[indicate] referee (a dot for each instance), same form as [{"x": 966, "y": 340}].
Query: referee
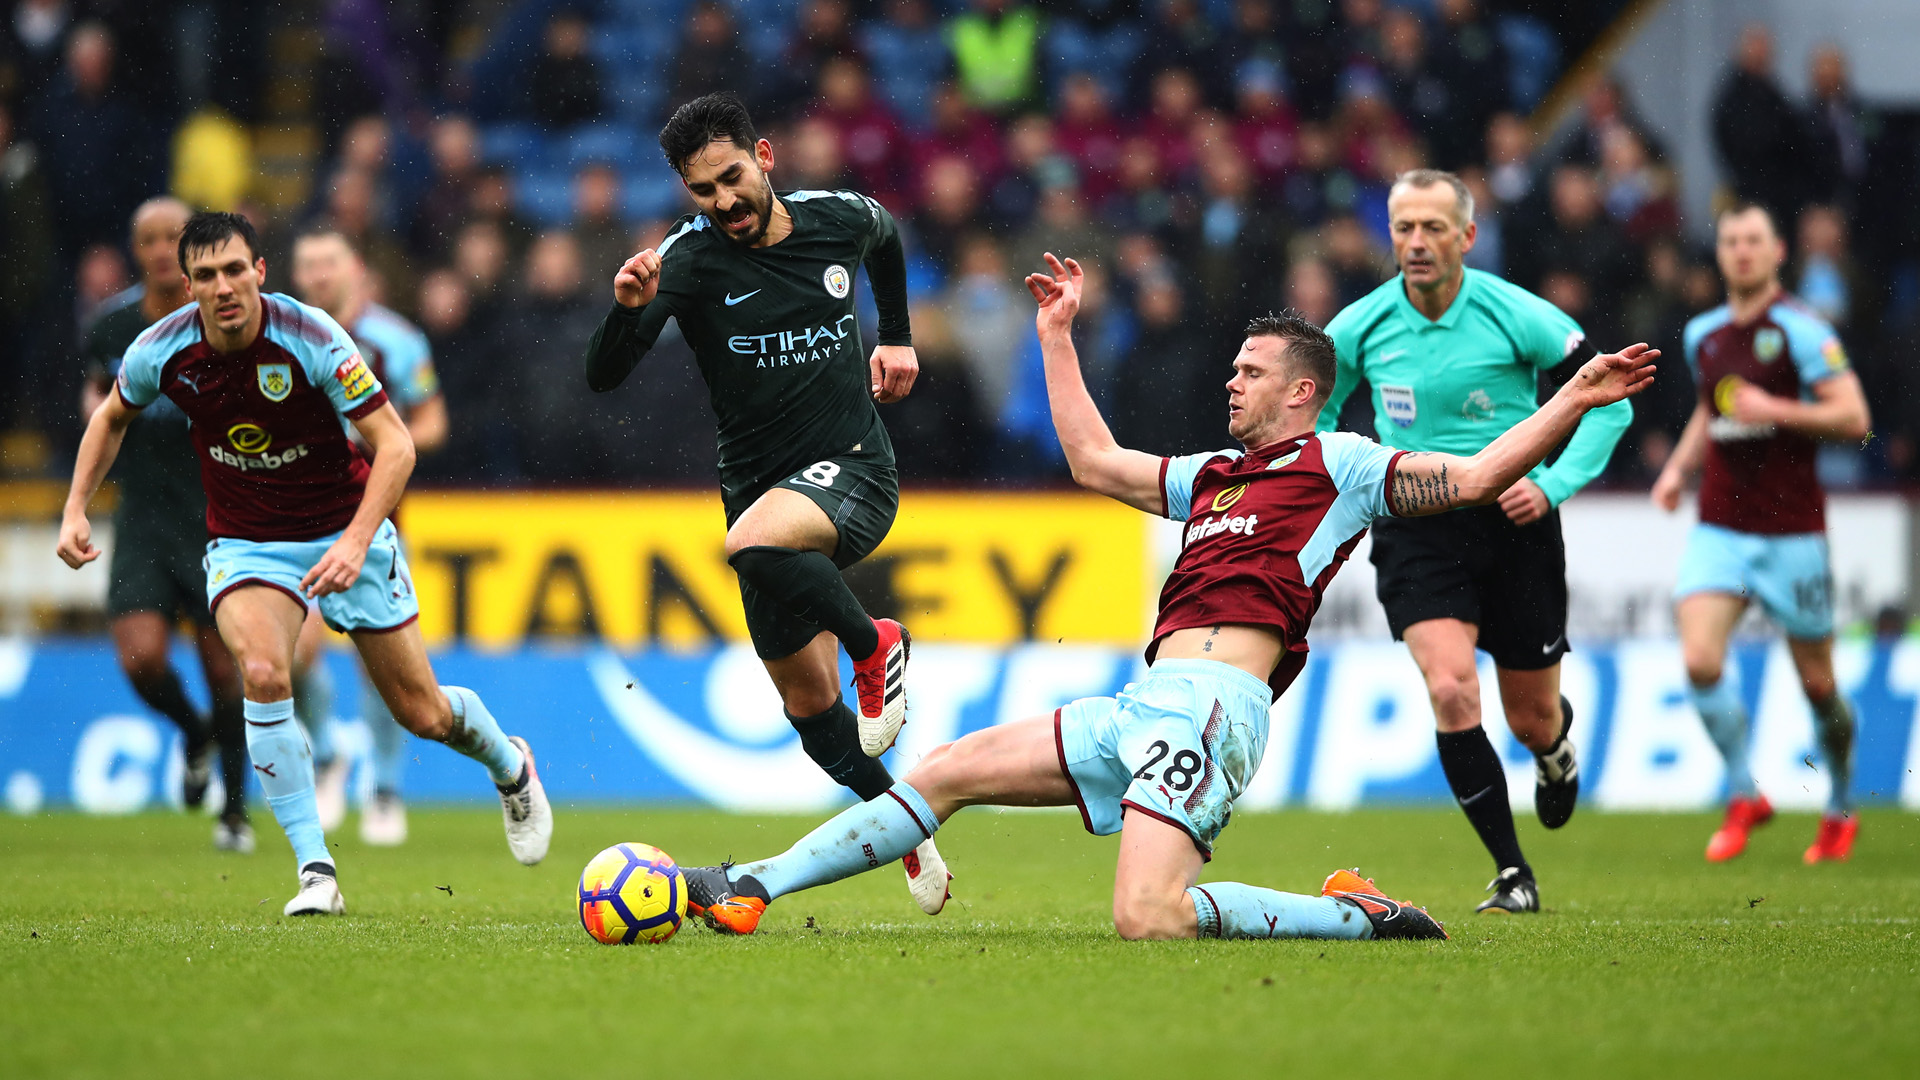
[{"x": 1454, "y": 358}]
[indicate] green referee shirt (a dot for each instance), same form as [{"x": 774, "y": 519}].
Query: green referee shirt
[{"x": 1453, "y": 385}]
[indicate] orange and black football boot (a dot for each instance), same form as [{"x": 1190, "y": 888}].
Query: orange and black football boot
[
  {"x": 728, "y": 907},
  {"x": 1391, "y": 919}
]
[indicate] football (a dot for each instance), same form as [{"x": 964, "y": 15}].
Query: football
[{"x": 632, "y": 892}]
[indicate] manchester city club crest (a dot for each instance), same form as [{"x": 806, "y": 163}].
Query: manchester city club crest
[
  {"x": 1768, "y": 343},
  {"x": 276, "y": 380},
  {"x": 838, "y": 281}
]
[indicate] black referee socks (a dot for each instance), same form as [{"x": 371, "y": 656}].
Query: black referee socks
[
  {"x": 1479, "y": 784},
  {"x": 809, "y": 585}
]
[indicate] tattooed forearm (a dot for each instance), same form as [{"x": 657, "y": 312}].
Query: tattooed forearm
[{"x": 1419, "y": 487}]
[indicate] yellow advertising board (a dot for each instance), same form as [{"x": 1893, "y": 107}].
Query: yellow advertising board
[{"x": 497, "y": 569}]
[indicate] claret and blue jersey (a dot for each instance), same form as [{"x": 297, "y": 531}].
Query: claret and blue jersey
[
  {"x": 1758, "y": 478},
  {"x": 1266, "y": 531},
  {"x": 269, "y": 422},
  {"x": 400, "y": 356}
]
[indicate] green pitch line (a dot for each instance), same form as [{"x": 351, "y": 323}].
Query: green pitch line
[{"x": 130, "y": 947}]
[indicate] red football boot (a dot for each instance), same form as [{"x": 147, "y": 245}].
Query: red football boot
[
  {"x": 880, "y": 681},
  {"x": 1834, "y": 841},
  {"x": 1744, "y": 815}
]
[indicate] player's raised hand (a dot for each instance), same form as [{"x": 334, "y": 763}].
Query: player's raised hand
[
  {"x": 1058, "y": 294},
  {"x": 337, "y": 570},
  {"x": 638, "y": 280},
  {"x": 1612, "y": 377},
  {"x": 76, "y": 541},
  {"x": 894, "y": 369}
]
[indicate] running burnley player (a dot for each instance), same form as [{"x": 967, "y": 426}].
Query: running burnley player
[
  {"x": 293, "y": 508},
  {"x": 1267, "y": 528},
  {"x": 1762, "y": 531},
  {"x": 1454, "y": 357},
  {"x": 329, "y": 273},
  {"x": 762, "y": 287},
  {"x": 155, "y": 577}
]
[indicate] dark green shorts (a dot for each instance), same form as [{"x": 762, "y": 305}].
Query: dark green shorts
[
  {"x": 860, "y": 492},
  {"x": 157, "y": 565}
]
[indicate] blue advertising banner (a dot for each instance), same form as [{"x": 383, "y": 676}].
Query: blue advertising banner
[{"x": 705, "y": 727}]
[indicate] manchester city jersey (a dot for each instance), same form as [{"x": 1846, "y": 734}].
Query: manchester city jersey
[{"x": 774, "y": 332}]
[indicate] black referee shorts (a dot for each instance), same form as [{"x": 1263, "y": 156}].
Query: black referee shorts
[{"x": 1477, "y": 566}]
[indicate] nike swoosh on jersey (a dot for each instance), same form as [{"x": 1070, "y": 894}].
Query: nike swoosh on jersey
[{"x": 732, "y": 299}]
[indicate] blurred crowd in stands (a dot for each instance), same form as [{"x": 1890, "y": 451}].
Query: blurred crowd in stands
[{"x": 1207, "y": 160}]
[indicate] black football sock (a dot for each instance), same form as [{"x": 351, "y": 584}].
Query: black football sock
[
  {"x": 809, "y": 585},
  {"x": 1479, "y": 784},
  {"x": 832, "y": 740},
  {"x": 167, "y": 697},
  {"x": 230, "y": 731}
]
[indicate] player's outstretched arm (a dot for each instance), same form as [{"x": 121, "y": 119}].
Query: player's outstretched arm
[
  {"x": 1431, "y": 483},
  {"x": 393, "y": 456},
  {"x": 1098, "y": 463},
  {"x": 98, "y": 447}
]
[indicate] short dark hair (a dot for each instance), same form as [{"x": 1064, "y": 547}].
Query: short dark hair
[
  {"x": 322, "y": 228},
  {"x": 705, "y": 120},
  {"x": 1309, "y": 349},
  {"x": 1744, "y": 206},
  {"x": 208, "y": 229}
]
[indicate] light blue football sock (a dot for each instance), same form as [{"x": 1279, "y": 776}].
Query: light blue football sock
[
  {"x": 389, "y": 743},
  {"x": 1228, "y": 909},
  {"x": 477, "y": 735},
  {"x": 1833, "y": 720},
  {"x": 313, "y": 704},
  {"x": 285, "y": 767},
  {"x": 856, "y": 840},
  {"x": 1726, "y": 721}
]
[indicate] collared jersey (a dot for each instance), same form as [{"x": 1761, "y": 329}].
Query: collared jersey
[
  {"x": 269, "y": 422},
  {"x": 775, "y": 333},
  {"x": 399, "y": 355},
  {"x": 1454, "y": 384},
  {"x": 1758, "y": 478},
  {"x": 1266, "y": 531}
]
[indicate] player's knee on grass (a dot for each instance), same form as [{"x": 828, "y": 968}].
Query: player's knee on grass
[{"x": 1153, "y": 914}]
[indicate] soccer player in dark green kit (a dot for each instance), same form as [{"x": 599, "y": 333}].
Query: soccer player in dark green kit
[
  {"x": 155, "y": 577},
  {"x": 762, "y": 288}
]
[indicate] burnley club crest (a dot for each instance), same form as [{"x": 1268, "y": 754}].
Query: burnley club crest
[{"x": 276, "y": 381}]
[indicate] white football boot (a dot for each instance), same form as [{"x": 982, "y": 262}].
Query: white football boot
[
  {"x": 383, "y": 821},
  {"x": 319, "y": 895},
  {"x": 927, "y": 877},
  {"x": 529, "y": 817},
  {"x": 233, "y": 835},
  {"x": 330, "y": 793}
]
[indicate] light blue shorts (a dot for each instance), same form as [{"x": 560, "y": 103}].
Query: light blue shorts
[
  {"x": 383, "y": 598},
  {"x": 1788, "y": 574},
  {"x": 1179, "y": 745}
]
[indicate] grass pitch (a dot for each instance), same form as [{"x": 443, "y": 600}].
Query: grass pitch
[{"x": 129, "y": 947}]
